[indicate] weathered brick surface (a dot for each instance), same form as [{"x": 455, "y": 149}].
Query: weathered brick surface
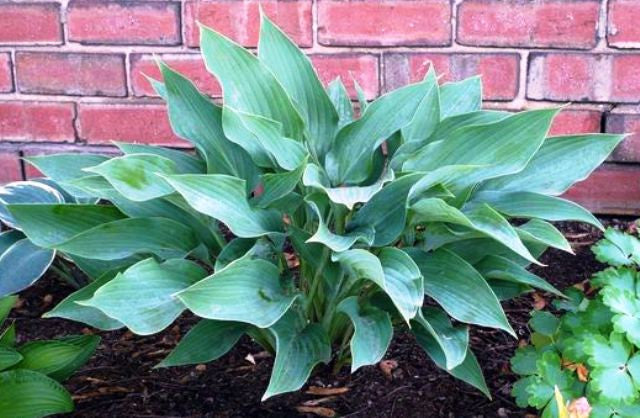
[
  {"x": 623, "y": 30},
  {"x": 384, "y": 22},
  {"x": 25, "y": 23},
  {"x": 132, "y": 23},
  {"x": 9, "y": 167},
  {"x": 584, "y": 77},
  {"x": 551, "y": 23},
  {"x": 625, "y": 122},
  {"x": 6, "y": 76},
  {"x": 612, "y": 188},
  {"x": 576, "y": 121},
  {"x": 72, "y": 72},
  {"x": 103, "y": 123},
  {"x": 240, "y": 19},
  {"x": 500, "y": 72},
  {"x": 36, "y": 121}
]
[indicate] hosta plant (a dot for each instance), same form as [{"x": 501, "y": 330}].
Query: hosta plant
[
  {"x": 592, "y": 350},
  {"x": 311, "y": 227},
  {"x": 31, "y": 372},
  {"x": 21, "y": 261}
]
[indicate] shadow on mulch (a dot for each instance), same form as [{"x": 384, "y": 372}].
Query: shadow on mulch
[{"x": 119, "y": 381}]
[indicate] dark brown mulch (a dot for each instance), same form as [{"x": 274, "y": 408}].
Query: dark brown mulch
[{"x": 120, "y": 380}]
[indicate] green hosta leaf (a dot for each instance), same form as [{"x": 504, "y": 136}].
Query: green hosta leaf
[
  {"x": 163, "y": 237},
  {"x": 348, "y": 196},
  {"x": 294, "y": 71},
  {"x": 427, "y": 116},
  {"x": 299, "y": 348},
  {"x": 372, "y": 332},
  {"x": 491, "y": 223},
  {"x": 143, "y": 297},
  {"x": 8, "y": 357},
  {"x": 69, "y": 309},
  {"x": 341, "y": 102},
  {"x": 362, "y": 97},
  {"x": 22, "y": 192},
  {"x": 461, "y": 97},
  {"x": 544, "y": 323},
  {"x": 95, "y": 269},
  {"x": 324, "y": 236},
  {"x": 524, "y": 361},
  {"x": 135, "y": 176},
  {"x": 394, "y": 272},
  {"x": 58, "y": 359},
  {"x": 6, "y": 304},
  {"x": 349, "y": 160},
  {"x": 453, "y": 341},
  {"x": 223, "y": 197},
  {"x": 246, "y": 290},
  {"x": 459, "y": 289},
  {"x": 236, "y": 248},
  {"x": 21, "y": 265},
  {"x": 614, "y": 375},
  {"x": 28, "y": 394},
  {"x": 195, "y": 118},
  {"x": 184, "y": 161},
  {"x": 8, "y": 238},
  {"x": 207, "y": 341},
  {"x": 560, "y": 162},
  {"x": 496, "y": 267},
  {"x": 468, "y": 371},
  {"x": 617, "y": 248},
  {"x": 536, "y": 205},
  {"x": 247, "y": 84},
  {"x": 545, "y": 233},
  {"x": 49, "y": 225},
  {"x": 263, "y": 139},
  {"x": 503, "y": 147},
  {"x": 62, "y": 168},
  {"x": 278, "y": 185}
]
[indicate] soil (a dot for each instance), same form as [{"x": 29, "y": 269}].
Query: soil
[{"x": 120, "y": 381}]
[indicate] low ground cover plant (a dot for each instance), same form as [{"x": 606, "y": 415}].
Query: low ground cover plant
[
  {"x": 311, "y": 227},
  {"x": 31, "y": 372},
  {"x": 592, "y": 350}
]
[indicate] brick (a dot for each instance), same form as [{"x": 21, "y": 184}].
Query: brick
[
  {"x": 71, "y": 73},
  {"x": 576, "y": 121},
  {"x": 623, "y": 30},
  {"x": 100, "y": 123},
  {"x": 546, "y": 24},
  {"x": 10, "y": 169},
  {"x": 384, "y": 22},
  {"x": 240, "y": 19},
  {"x": 189, "y": 65},
  {"x": 362, "y": 67},
  {"x": 142, "y": 23},
  {"x": 611, "y": 189},
  {"x": 629, "y": 149},
  {"x": 584, "y": 77},
  {"x": 625, "y": 78},
  {"x": 36, "y": 121},
  {"x": 6, "y": 77},
  {"x": 500, "y": 72},
  {"x": 24, "y": 23}
]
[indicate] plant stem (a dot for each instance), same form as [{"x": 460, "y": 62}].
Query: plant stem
[{"x": 317, "y": 278}]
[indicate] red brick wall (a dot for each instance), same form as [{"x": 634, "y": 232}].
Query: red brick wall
[{"x": 71, "y": 71}]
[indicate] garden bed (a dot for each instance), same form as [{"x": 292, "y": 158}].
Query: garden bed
[{"x": 120, "y": 380}]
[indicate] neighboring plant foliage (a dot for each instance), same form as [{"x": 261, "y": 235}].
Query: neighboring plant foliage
[
  {"x": 593, "y": 349},
  {"x": 30, "y": 372},
  {"x": 309, "y": 228}
]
